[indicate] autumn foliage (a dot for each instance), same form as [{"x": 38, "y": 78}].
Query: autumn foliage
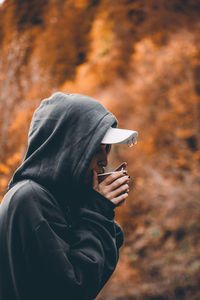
[{"x": 141, "y": 59}]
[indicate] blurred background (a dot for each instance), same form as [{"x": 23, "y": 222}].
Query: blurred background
[{"x": 141, "y": 59}]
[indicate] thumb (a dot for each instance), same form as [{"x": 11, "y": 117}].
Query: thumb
[{"x": 95, "y": 180}]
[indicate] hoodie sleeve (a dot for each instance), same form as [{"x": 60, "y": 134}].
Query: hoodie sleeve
[{"x": 80, "y": 263}]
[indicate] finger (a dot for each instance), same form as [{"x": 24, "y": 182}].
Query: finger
[
  {"x": 95, "y": 180},
  {"x": 120, "y": 199},
  {"x": 122, "y": 166},
  {"x": 120, "y": 203},
  {"x": 122, "y": 189},
  {"x": 118, "y": 182},
  {"x": 113, "y": 177}
]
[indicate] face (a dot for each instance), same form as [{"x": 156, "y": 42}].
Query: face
[{"x": 98, "y": 162}]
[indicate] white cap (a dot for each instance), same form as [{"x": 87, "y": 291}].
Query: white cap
[{"x": 119, "y": 136}]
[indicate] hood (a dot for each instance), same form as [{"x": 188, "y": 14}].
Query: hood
[{"x": 65, "y": 131}]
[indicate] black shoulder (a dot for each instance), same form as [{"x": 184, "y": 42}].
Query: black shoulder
[
  {"x": 30, "y": 198},
  {"x": 28, "y": 190}
]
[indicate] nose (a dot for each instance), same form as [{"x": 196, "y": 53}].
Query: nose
[{"x": 103, "y": 161}]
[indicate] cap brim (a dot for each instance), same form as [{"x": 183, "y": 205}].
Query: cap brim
[{"x": 119, "y": 136}]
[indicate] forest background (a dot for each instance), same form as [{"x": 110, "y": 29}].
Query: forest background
[{"x": 141, "y": 59}]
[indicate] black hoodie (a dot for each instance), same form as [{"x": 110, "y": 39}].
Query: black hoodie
[{"x": 58, "y": 239}]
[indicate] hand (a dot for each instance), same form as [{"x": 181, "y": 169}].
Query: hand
[{"x": 114, "y": 187}]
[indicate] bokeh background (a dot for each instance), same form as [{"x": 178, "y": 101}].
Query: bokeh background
[{"x": 141, "y": 59}]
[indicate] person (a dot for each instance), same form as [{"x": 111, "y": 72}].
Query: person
[{"x": 58, "y": 236}]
